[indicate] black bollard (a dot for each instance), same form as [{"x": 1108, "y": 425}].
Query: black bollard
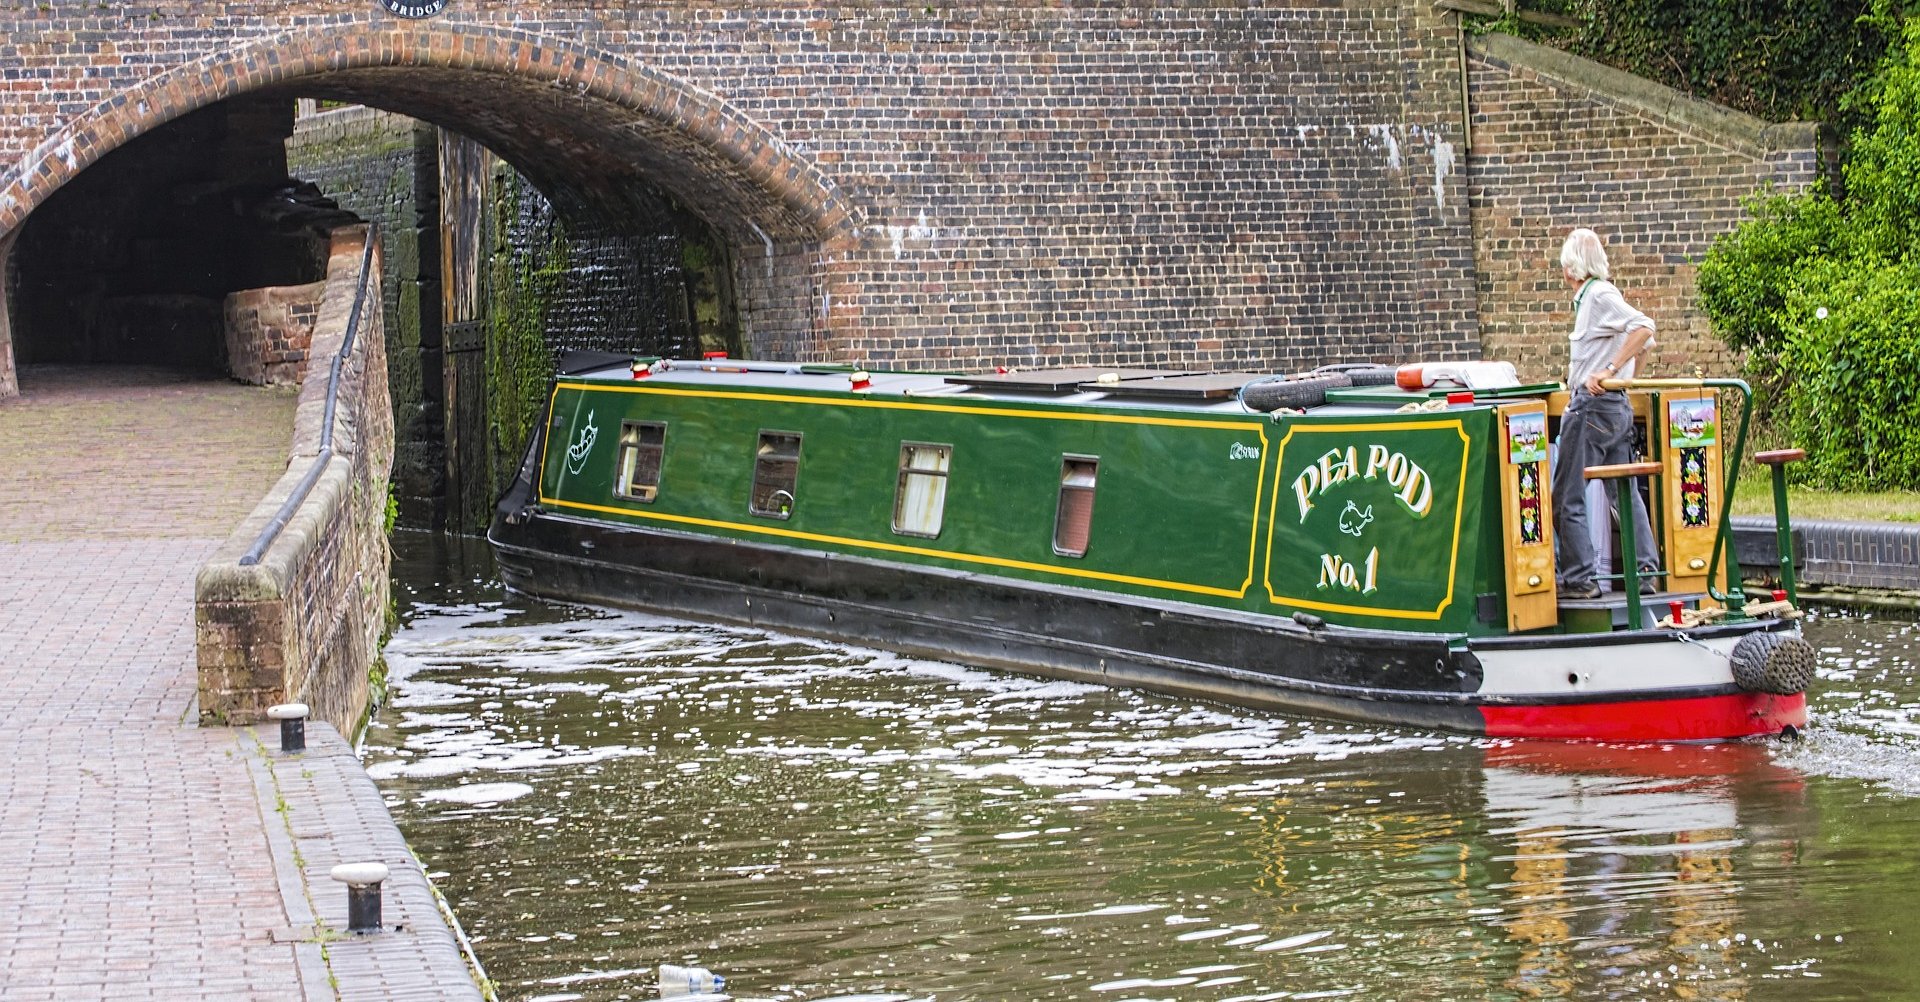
[
  {"x": 293, "y": 725},
  {"x": 363, "y": 894}
]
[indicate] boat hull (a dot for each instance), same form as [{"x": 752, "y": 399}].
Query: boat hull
[{"x": 1397, "y": 678}]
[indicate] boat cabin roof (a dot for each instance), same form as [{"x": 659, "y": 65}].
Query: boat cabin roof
[{"x": 1074, "y": 386}]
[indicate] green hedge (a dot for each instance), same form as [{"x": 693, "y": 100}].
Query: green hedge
[
  {"x": 1850, "y": 373},
  {"x": 1824, "y": 296},
  {"x": 1782, "y": 60}
]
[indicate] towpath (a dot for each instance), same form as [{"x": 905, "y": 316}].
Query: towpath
[{"x": 141, "y": 855}]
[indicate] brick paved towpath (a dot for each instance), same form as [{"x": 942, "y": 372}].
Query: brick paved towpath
[{"x": 143, "y": 856}]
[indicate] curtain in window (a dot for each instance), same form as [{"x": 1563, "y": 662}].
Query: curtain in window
[
  {"x": 1075, "y": 518},
  {"x": 923, "y": 489}
]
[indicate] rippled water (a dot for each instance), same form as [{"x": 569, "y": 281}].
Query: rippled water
[{"x": 600, "y": 792}]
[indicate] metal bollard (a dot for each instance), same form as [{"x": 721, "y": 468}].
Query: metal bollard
[
  {"x": 363, "y": 894},
  {"x": 293, "y": 725}
]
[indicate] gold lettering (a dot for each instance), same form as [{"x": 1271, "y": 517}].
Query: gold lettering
[
  {"x": 1376, "y": 460},
  {"x": 1417, "y": 485},
  {"x": 1304, "y": 487}
]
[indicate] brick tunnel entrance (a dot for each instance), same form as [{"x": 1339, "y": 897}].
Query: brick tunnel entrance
[{"x": 530, "y": 199}]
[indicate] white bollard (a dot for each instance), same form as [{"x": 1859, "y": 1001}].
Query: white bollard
[
  {"x": 363, "y": 894},
  {"x": 293, "y": 725}
]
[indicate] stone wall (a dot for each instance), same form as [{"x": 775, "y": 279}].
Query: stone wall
[
  {"x": 269, "y": 331},
  {"x": 1560, "y": 142},
  {"x": 305, "y": 622}
]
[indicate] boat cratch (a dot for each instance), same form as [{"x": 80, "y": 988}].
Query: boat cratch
[{"x": 1358, "y": 541}]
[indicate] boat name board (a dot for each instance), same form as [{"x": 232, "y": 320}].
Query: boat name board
[{"x": 1370, "y": 521}]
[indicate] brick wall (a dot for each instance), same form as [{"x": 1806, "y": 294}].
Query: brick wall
[
  {"x": 269, "y": 331},
  {"x": 305, "y": 622},
  {"x": 1560, "y": 142},
  {"x": 1012, "y": 183}
]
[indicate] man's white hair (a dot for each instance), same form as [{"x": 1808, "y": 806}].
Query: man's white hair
[{"x": 1583, "y": 256}]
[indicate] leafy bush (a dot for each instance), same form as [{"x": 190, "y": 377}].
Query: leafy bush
[
  {"x": 1883, "y": 169},
  {"x": 1824, "y": 295},
  {"x": 1852, "y": 361},
  {"x": 1778, "y": 59},
  {"x": 1747, "y": 274}
]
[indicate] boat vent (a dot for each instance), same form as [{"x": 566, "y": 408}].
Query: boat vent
[{"x": 1058, "y": 380}]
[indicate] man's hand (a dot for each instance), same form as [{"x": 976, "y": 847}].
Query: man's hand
[{"x": 1637, "y": 339}]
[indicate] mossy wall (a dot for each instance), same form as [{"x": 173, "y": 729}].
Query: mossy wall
[
  {"x": 371, "y": 162},
  {"x": 558, "y": 282},
  {"x": 649, "y": 280}
]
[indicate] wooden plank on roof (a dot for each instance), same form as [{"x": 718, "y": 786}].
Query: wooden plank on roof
[
  {"x": 1056, "y": 380},
  {"x": 1190, "y": 386}
]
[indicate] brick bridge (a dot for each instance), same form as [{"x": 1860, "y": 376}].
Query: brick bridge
[{"x": 1194, "y": 183}]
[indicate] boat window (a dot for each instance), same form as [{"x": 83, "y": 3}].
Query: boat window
[
  {"x": 920, "y": 500},
  {"x": 642, "y": 443},
  {"x": 1075, "y": 516},
  {"x": 776, "y": 471}
]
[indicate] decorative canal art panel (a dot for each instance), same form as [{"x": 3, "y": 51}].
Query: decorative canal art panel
[{"x": 1367, "y": 517}]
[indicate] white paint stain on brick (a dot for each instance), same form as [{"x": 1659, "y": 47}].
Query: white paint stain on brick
[
  {"x": 897, "y": 236},
  {"x": 1382, "y": 135},
  {"x": 1303, "y": 131},
  {"x": 1442, "y": 166},
  {"x": 768, "y": 241}
]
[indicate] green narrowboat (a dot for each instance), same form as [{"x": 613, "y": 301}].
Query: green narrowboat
[{"x": 1357, "y": 542}]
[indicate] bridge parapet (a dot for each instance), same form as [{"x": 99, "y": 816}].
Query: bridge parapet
[{"x": 304, "y": 622}]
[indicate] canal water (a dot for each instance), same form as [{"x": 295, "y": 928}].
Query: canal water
[{"x": 598, "y": 793}]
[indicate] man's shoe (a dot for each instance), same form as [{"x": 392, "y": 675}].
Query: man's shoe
[
  {"x": 1584, "y": 590},
  {"x": 1647, "y": 587}
]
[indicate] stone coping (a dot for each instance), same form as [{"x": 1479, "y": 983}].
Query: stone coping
[
  {"x": 1882, "y": 555},
  {"x": 1754, "y": 136}
]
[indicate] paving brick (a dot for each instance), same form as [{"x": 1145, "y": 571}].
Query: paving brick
[{"x": 136, "y": 858}]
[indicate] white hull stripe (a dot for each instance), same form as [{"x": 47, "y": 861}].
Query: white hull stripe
[{"x": 1624, "y": 670}]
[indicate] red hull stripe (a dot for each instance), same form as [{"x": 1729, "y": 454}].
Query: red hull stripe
[{"x": 1699, "y": 719}]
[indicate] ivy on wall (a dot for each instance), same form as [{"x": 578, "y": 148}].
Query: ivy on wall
[
  {"x": 1781, "y": 60},
  {"x": 522, "y": 283}
]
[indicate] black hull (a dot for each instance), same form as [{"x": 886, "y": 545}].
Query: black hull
[{"x": 1402, "y": 679}]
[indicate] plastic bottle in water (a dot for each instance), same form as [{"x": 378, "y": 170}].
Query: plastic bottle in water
[{"x": 676, "y": 981}]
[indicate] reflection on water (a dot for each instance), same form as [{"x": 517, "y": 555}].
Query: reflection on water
[{"x": 602, "y": 792}]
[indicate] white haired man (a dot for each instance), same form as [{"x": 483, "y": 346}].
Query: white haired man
[{"x": 1597, "y": 427}]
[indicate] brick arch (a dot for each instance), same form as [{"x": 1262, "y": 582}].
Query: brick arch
[{"x": 770, "y": 180}]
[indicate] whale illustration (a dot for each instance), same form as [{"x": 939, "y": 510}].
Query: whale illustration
[
  {"x": 1353, "y": 521},
  {"x": 582, "y": 446}
]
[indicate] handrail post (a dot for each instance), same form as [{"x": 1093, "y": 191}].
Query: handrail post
[
  {"x": 1782, "y": 528},
  {"x": 1623, "y": 476},
  {"x": 1629, "y": 553}
]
